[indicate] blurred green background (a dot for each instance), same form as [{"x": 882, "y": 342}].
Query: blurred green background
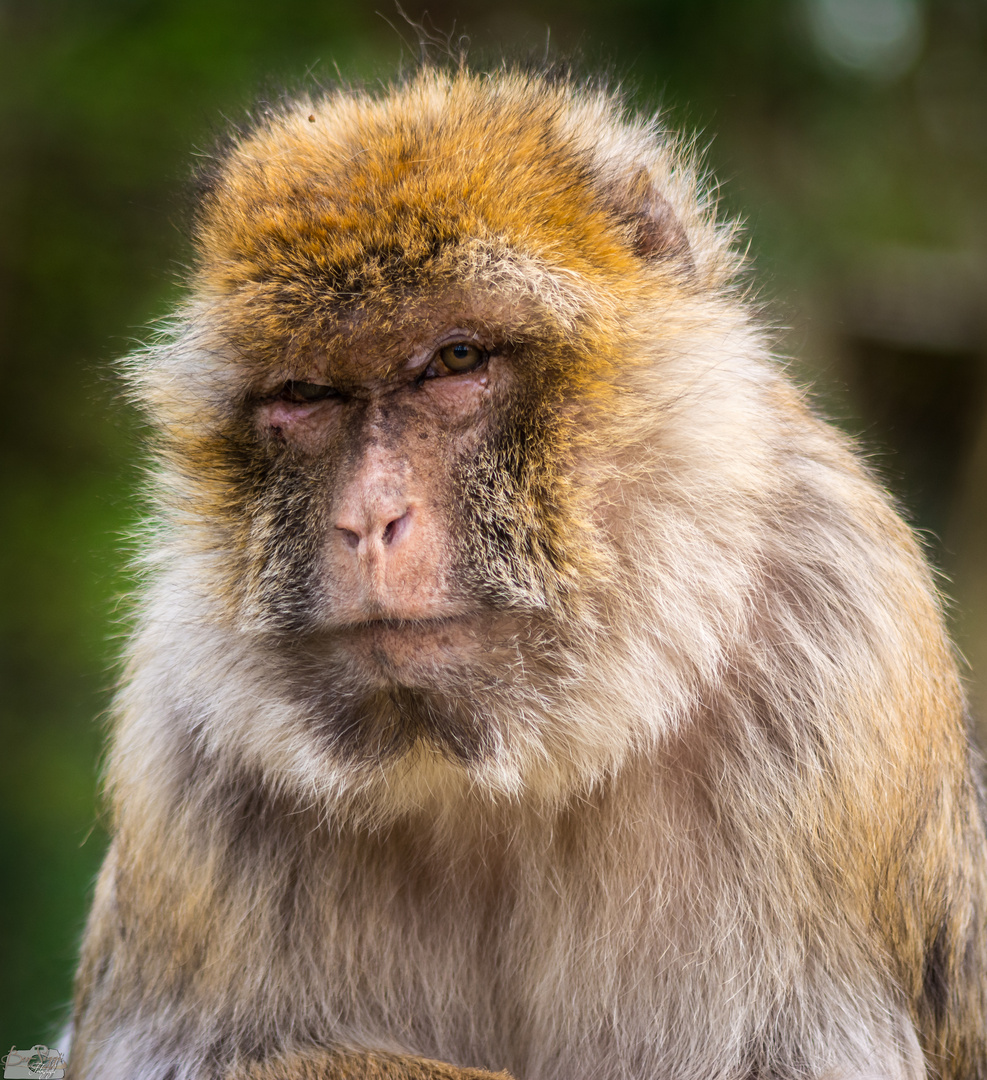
[{"x": 851, "y": 135}]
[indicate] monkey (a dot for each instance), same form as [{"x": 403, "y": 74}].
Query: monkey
[{"x": 525, "y": 679}]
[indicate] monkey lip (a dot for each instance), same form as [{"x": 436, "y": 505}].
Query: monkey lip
[
  {"x": 410, "y": 635},
  {"x": 404, "y": 649},
  {"x": 407, "y": 626}
]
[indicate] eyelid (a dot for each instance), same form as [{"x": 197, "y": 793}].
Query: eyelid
[{"x": 304, "y": 392}]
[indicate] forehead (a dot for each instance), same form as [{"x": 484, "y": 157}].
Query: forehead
[{"x": 357, "y": 199}]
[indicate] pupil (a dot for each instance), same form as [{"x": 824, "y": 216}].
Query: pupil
[{"x": 461, "y": 351}]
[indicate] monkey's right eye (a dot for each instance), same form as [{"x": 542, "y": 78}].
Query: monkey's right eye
[
  {"x": 304, "y": 393},
  {"x": 462, "y": 357}
]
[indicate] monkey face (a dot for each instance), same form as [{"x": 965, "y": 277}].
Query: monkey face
[{"x": 391, "y": 543}]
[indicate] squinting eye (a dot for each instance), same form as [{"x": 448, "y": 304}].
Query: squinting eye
[
  {"x": 304, "y": 392},
  {"x": 462, "y": 356}
]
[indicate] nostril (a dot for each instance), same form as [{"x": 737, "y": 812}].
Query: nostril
[
  {"x": 350, "y": 538},
  {"x": 394, "y": 530}
]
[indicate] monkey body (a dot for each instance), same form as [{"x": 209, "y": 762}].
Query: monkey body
[{"x": 526, "y": 679}]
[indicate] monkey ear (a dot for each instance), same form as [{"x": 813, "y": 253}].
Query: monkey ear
[
  {"x": 660, "y": 234},
  {"x": 657, "y": 231}
]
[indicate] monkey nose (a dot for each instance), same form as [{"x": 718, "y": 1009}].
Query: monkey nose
[{"x": 384, "y": 529}]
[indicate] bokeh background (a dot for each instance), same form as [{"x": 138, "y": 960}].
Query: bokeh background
[{"x": 850, "y": 135}]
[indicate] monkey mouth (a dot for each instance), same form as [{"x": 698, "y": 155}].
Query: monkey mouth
[
  {"x": 399, "y": 622},
  {"x": 462, "y": 647},
  {"x": 413, "y": 635},
  {"x": 399, "y": 646},
  {"x": 387, "y": 624}
]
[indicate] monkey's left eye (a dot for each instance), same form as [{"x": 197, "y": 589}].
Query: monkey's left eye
[
  {"x": 305, "y": 392},
  {"x": 462, "y": 356}
]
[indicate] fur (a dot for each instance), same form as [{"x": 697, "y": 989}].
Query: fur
[{"x": 702, "y": 803}]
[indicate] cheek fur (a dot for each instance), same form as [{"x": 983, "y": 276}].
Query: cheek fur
[
  {"x": 284, "y": 521},
  {"x": 510, "y": 551}
]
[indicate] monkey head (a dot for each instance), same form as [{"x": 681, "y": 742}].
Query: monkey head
[{"x": 404, "y": 417}]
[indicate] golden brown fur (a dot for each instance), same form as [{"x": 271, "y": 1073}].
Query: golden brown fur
[{"x": 585, "y": 713}]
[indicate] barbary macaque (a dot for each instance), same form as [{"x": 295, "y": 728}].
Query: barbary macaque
[{"x": 526, "y": 679}]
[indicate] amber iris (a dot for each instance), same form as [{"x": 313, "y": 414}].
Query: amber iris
[{"x": 462, "y": 356}]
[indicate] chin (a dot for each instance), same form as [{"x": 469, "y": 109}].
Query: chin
[
  {"x": 383, "y": 688},
  {"x": 389, "y": 698}
]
